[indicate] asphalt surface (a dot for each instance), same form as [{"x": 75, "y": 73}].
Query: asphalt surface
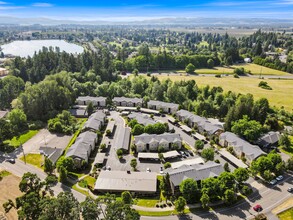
[{"x": 19, "y": 168}]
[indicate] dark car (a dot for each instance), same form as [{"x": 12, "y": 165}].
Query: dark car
[
  {"x": 257, "y": 208},
  {"x": 11, "y": 160}
]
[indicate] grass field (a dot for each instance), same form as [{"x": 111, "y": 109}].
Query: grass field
[
  {"x": 34, "y": 159},
  {"x": 257, "y": 69},
  {"x": 253, "y": 68},
  {"x": 4, "y": 173},
  {"x": 287, "y": 215},
  {"x": 147, "y": 202},
  {"x": 15, "y": 142},
  {"x": 281, "y": 95}
]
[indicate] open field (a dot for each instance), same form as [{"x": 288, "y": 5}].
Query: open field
[
  {"x": 257, "y": 69},
  {"x": 253, "y": 68},
  {"x": 9, "y": 190},
  {"x": 281, "y": 94}
]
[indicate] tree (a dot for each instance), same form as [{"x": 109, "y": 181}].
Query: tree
[
  {"x": 133, "y": 163},
  {"x": 241, "y": 175},
  {"x": 249, "y": 129},
  {"x": 6, "y": 131},
  {"x": 90, "y": 209},
  {"x": 48, "y": 165},
  {"x": 18, "y": 120},
  {"x": 230, "y": 197},
  {"x": 90, "y": 108},
  {"x": 199, "y": 145},
  {"x": 118, "y": 210},
  {"x": 119, "y": 153},
  {"x": 210, "y": 63},
  {"x": 126, "y": 197},
  {"x": 138, "y": 129},
  {"x": 289, "y": 164},
  {"x": 208, "y": 154},
  {"x": 205, "y": 199},
  {"x": 189, "y": 190},
  {"x": 285, "y": 141},
  {"x": 62, "y": 174},
  {"x": 167, "y": 165},
  {"x": 66, "y": 162},
  {"x": 165, "y": 186},
  {"x": 267, "y": 175},
  {"x": 180, "y": 204},
  {"x": 226, "y": 167},
  {"x": 190, "y": 68}
]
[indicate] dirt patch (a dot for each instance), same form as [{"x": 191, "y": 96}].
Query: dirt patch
[
  {"x": 287, "y": 204},
  {"x": 9, "y": 190}
]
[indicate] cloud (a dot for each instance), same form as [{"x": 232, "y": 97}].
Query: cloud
[
  {"x": 10, "y": 7},
  {"x": 42, "y": 4},
  {"x": 3, "y": 3},
  {"x": 284, "y": 2}
]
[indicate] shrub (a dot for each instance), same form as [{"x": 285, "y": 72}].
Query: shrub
[
  {"x": 236, "y": 76},
  {"x": 103, "y": 146},
  {"x": 167, "y": 165},
  {"x": 108, "y": 133},
  {"x": 218, "y": 76},
  {"x": 264, "y": 85}
]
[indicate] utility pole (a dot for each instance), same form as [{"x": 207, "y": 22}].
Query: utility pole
[{"x": 21, "y": 147}]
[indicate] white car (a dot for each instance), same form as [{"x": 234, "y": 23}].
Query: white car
[
  {"x": 148, "y": 170},
  {"x": 273, "y": 182},
  {"x": 279, "y": 178}
]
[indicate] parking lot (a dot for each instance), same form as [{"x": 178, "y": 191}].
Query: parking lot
[{"x": 123, "y": 164}]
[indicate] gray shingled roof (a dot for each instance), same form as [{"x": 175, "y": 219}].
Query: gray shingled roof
[
  {"x": 141, "y": 119},
  {"x": 251, "y": 151},
  {"x": 95, "y": 121},
  {"x": 3, "y": 114},
  {"x": 270, "y": 138},
  {"x": 82, "y": 146},
  {"x": 125, "y": 99},
  {"x": 164, "y": 104},
  {"x": 52, "y": 153},
  {"x": 91, "y": 98},
  {"x": 196, "y": 172},
  {"x": 78, "y": 112},
  {"x": 202, "y": 122},
  {"x": 147, "y": 138}
]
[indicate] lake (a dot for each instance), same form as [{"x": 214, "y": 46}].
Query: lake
[{"x": 28, "y": 48}]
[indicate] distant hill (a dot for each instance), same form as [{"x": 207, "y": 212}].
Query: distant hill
[{"x": 4, "y": 20}]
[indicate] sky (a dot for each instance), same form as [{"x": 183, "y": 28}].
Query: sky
[{"x": 118, "y": 10}]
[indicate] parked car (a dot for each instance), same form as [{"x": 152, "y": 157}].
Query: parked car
[
  {"x": 273, "y": 182},
  {"x": 257, "y": 208},
  {"x": 108, "y": 168},
  {"x": 161, "y": 170},
  {"x": 279, "y": 178},
  {"x": 10, "y": 160},
  {"x": 290, "y": 189},
  {"x": 148, "y": 170}
]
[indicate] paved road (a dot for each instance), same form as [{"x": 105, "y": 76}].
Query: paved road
[
  {"x": 267, "y": 197},
  {"x": 19, "y": 168}
]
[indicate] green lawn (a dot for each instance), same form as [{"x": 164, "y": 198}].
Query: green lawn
[
  {"x": 34, "y": 159},
  {"x": 161, "y": 213},
  {"x": 81, "y": 122},
  {"x": 89, "y": 180},
  {"x": 279, "y": 95},
  {"x": 85, "y": 192},
  {"x": 15, "y": 142},
  {"x": 215, "y": 70},
  {"x": 286, "y": 215},
  {"x": 147, "y": 202},
  {"x": 4, "y": 173}
]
